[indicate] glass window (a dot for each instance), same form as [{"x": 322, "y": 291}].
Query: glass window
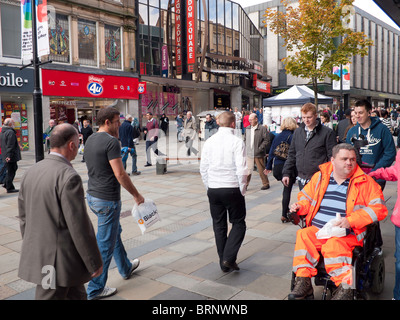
[
  {"x": 113, "y": 49},
  {"x": 87, "y": 40},
  {"x": 154, "y": 3},
  {"x": 154, "y": 16},
  {"x": 11, "y": 30},
  {"x": 59, "y": 38},
  {"x": 143, "y": 14},
  {"x": 212, "y": 11}
]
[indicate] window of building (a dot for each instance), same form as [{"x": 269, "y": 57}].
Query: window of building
[
  {"x": 59, "y": 38},
  {"x": 87, "y": 42},
  {"x": 112, "y": 46},
  {"x": 10, "y": 30}
]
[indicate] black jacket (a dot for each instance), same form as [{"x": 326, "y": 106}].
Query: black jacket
[
  {"x": 307, "y": 155},
  {"x": 9, "y": 144}
]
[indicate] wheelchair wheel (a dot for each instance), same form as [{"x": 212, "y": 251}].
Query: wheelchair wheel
[{"x": 378, "y": 274}]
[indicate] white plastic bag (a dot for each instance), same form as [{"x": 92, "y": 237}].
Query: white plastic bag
[
  {"x": 329, "y": 230},
  {"x": 145, "y": 214},
  {"x": 81, "y": 149}
]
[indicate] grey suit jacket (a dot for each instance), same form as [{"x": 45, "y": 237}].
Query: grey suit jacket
[{"x": 55, "y": 225}]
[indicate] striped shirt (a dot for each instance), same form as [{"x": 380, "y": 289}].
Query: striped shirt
[{"x": 334, "y": 201}]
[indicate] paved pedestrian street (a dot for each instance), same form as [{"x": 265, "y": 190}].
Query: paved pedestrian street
[{"x": 178, "y": 255}]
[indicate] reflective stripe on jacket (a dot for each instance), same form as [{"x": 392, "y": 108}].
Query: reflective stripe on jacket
[{"x": 365, "y": 203}]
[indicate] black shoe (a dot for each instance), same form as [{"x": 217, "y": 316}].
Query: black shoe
[
  {"x": 302, "y": 289},
  {"x": 12, "y": 191},
  {"x": 136, "y": 173},
  {"x": 342, "y": 293},
  {"x": 230, "y": 265},
  {"x": 265, "y": 187},
  {"x": 225, "y": 269},
  {"x": 147, "y": 164}
]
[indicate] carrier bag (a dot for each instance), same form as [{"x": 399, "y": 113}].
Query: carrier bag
[
  {"x": 329, "y": 230},
  {"x": 145, "y": 214}
]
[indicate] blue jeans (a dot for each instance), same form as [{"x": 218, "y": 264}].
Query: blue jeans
[
  {"x": 108, "y": 240},
  {"x": 396, "y": 290},
  {"x": 134, "y": 160}
]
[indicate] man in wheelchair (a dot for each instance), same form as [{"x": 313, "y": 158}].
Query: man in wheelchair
[{"x": 339, "y": 187}]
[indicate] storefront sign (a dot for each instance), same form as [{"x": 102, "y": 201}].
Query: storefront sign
[
  {"x": 75, "y": 84},
  {"x": 191, "y": 35},
  {"x": 15, "y": 80},
  {"x": 178, "y": 37},
  {"x": 142, "y": 87},
  {"x": 262, "y": 86}
]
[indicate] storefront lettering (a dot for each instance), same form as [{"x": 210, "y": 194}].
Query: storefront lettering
[{"x": 9, "y": 80}]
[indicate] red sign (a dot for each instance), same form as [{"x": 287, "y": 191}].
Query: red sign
[
  {"x": 191, "y": 35},
  {"x": 178, "y": 37},
  {"x": 142, "y": 88},
  {"x": 76, "y": 84},
  {"x": 262, "y": 86}
]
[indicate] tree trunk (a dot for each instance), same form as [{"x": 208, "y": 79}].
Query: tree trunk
[{"x": 315, "y": 87}]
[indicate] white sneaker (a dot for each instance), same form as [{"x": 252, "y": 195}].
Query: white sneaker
[
  {"x": 135, "y": 264},
  {"x": 107, "y": 292}
]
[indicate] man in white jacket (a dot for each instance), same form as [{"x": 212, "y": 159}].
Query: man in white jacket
[{"x": 224, "y": 173}]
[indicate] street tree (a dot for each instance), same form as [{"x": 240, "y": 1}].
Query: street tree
[{"x": 317, "y": 35}]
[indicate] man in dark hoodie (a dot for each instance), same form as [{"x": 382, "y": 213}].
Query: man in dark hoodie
[
  {"x": 11, "y": 153},
  {"x": 380, "y": 151},
  {"x": 311, "y": 146}
]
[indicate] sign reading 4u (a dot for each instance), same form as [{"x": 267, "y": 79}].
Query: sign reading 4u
[{"x": 95, "y": 88}]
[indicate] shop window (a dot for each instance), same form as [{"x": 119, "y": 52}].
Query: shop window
[
  {"x": 10, "y": 30},
  {"x": 113, "y": 47},
  {"x": 18, "y": 112},
  {"x": 87, "y": 40},
  {"x": 59, "y": 38}
]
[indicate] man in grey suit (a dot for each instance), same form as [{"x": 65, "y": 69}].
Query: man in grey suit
[{"x": 59, "y": 249}]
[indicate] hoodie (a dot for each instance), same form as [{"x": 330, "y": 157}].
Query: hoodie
[{"x": 380, "y": 150}]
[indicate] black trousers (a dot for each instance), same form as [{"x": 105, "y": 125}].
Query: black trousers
[
  {"x": 11, "y": 171},
  {"x": 227, "y": 203},
  {"x": 287, "y": 191}
]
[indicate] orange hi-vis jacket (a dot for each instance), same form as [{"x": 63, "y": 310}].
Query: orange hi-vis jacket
[{"x": 365, "y": 203}]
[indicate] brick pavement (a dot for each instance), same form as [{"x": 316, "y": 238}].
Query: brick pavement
[{"x": 178, "y": 255}]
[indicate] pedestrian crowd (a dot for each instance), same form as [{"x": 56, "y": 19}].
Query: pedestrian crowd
[{"x": 340, "y": 170}]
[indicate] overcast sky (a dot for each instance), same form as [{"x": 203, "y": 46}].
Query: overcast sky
[{"x": 367, "y": 5}]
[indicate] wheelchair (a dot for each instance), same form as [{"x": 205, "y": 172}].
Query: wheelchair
[{"x": 368, "y": 265}]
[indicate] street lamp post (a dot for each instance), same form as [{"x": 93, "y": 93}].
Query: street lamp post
[{"x": 37, "y": 91}]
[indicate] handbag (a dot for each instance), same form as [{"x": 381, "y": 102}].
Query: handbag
[{"x": 282, "y": 150}]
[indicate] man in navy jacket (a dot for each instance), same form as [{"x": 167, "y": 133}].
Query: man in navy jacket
[{"x": 126, "y": 138}]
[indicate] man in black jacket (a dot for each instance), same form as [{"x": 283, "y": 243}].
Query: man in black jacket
[
  {"x": 311, "y": 146},
  {"x": 10, "y": 153},
  {"x": 86, "y": 131}
]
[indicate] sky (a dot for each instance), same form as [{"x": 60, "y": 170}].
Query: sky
[{"x": 367, "y": 5}]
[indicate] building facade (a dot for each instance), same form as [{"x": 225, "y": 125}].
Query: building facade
[
  {"x": 92, "y": 53},
  {"x": 375, "y": 76},
  {"x": 198, "y": 55}
]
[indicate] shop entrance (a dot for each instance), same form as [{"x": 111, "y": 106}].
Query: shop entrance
[{"x": 68, "y": 110}]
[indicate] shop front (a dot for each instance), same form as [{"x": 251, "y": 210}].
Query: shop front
[
  {"x": 70, "y": 96},
  {"x": 16, "y": 88}
]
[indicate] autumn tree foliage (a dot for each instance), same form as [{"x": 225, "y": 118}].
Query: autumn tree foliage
[{"x": 317, "y": 36}]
